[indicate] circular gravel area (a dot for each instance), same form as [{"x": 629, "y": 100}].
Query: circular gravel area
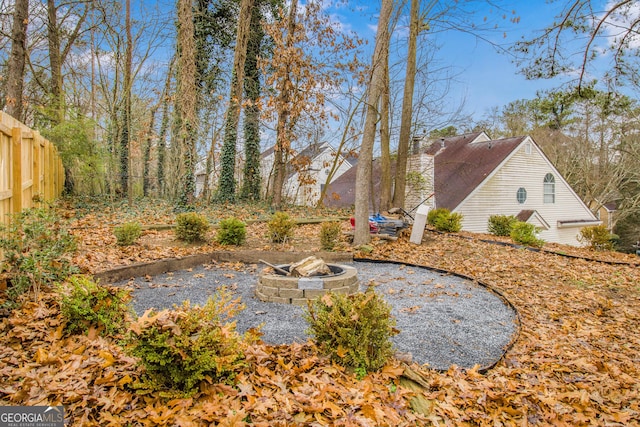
[{"x": 443, "y": 319}]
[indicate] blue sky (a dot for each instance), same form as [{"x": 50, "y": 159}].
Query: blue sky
[
  {"x": 486, "y": 78},
  {"x": 490, "y": 78}
]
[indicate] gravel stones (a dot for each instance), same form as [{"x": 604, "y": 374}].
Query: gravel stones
[{"x": 444, "y": 319}]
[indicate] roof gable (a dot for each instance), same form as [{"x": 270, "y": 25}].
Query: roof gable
[
  {"x": 462, "y": 164},
  {"x": 533, "y": 217}
]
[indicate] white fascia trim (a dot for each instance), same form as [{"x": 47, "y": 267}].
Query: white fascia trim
[{"x": 578, "y": 223}]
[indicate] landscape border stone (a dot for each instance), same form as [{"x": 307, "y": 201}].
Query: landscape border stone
[
  {"x": 165, "y": 265},
  {"x": 161, "y": 266}
]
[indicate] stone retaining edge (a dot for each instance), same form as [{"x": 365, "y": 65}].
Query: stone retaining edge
[{"x": 165, "y": 265}]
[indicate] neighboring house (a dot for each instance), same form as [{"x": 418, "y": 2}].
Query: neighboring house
[
  {"x": 606, "y": 213},
  {"x": 307, "y": 172},
  {"x": 479, "y": 177}
]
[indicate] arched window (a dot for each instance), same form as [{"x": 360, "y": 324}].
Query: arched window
[{"x": 549, "y": 188}]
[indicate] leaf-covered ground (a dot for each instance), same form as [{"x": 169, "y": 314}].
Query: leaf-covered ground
[{"x": 576, "y": 361}]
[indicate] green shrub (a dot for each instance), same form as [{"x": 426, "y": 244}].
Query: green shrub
[
  {"x": 181, "y": 347},
  {"x": 231, "y": 231},
  {"x": 329, "y": 234},
  {"x": 451, "y": 223},
  {"x": 127, "y": 233},
  {"x": 598, "y": 238},
  {"x": 37, "y": 249},
  {"x": 525, "y": 234},
  {"x": 86, "y": 304},
  {"x": 434, "y": 214},
  {"x": 443, "y": 220},
  {"x": 280, "y": 227},
  {"x": 500, "y": 225},
  {"x": 354, "y": 330},
  {"x": 191, "y": 227}
]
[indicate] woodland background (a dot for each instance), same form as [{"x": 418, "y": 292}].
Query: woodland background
[{"x": 140, "y": 103}]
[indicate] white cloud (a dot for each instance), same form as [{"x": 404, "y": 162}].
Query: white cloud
[{"x": 620, "y": 24}]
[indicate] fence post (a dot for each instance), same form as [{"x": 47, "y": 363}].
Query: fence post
[
  {"x": 16, "y": 188},
  {"x": 37, "y": 161},
  {"x": 61, "y": 176}
]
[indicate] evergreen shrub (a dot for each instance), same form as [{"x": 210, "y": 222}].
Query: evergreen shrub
[
  {"x": 280, "y": 227},
  {"x": 354, "y": 330},
  {"x": 501, "y": 225},
  {"x": 443, "y": 220},
  {"x": 329, "y": 234},
  {"x": 191, "y": 227},
  {"x": 231, "y": 231},
  {"x": 525, "y": 234},
  {"x": 127, "y": 233},
  {"x": 86, "y": 304},
  {"x": 436, "y": 213},
  {"x": 181, "y": 347},
  {"x": 598, "y": 238},
  {"x": 37, "y": 250}
]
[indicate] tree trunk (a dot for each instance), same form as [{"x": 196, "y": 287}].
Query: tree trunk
[
  {"x": 339, "y": 152},
  {"x": 251, "y": 184},
  {"x": 125, "y": 141},
  {"x": 146, "y": 175},
  {"x": 363, "y": 173},
  {"x": 227, "y": 183},
  {"x": 385, "y": 138},
  {"x": 283, "y": 140},
  {"x": 15, "y": 72},
  {"x": 187, "y": 98},
  {"x": 407, "y": 109},
  {"x": 162, "y": 134},
  {"x": 55, "y": 61}
]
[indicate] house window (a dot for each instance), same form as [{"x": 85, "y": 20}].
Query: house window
[
  {"x": 527, "y": 148},
  {"x": 549, "y": 189},
  {"x": 521, "y": 195}
]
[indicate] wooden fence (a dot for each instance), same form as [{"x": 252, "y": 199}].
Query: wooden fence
[{"x": 31, "y": 170}]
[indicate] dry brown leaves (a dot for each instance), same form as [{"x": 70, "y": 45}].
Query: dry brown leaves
[
  {"x": 575, "y": 362},
  {"x": 95, "y": 381}
]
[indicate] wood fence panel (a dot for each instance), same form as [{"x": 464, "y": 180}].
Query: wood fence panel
[
  {"x": 5, "y": 172},
  {"x": 31, "y": 170},
  {"x": 27, "y": 178},
  {"x": 16, "y": 169}
]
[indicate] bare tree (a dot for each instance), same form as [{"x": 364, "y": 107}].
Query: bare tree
[
  {"x": 407, "y": 106},
  {"x": 125, "y": 136},
  {"x": 61, "y": 39},
  {"x": 283, "y": 127},
  {"x": 385, "y": 135},
  {"x": 374, "y": 92},
  {"x": 17, "y": 58}
]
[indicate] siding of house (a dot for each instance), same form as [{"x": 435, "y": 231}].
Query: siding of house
[
  {"x": 498, "y": 196},
  {"x": 309, "y": 194},
  {"x": 266, "y": 170}
]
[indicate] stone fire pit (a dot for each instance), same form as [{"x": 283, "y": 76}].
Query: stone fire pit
[{"x": 282, "y": 287}]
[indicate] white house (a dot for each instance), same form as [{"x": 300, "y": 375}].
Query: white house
[
  {"x": 307, "y": 172},
  {"x": 478, "y": 177}
]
